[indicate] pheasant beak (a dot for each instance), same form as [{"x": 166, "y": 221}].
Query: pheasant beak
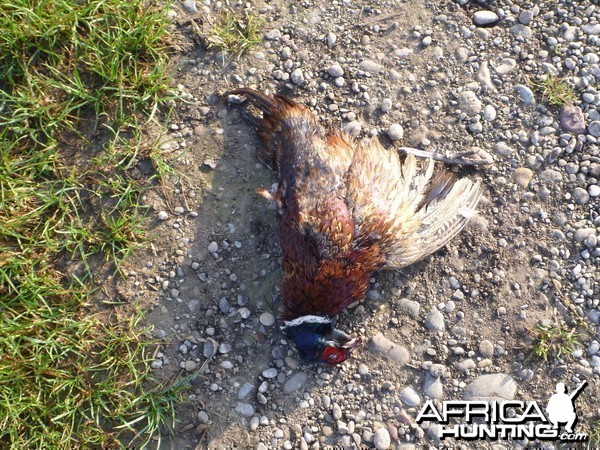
[{"x": 352, "y": 343}]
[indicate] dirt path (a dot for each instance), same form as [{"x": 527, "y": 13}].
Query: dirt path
[{"x": 412, "y": 73}]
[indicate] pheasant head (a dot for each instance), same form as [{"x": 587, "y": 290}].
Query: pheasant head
[{"x": 318, "y": 340}]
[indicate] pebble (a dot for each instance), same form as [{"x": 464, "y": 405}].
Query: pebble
[
  {"x": 395, "y": 132},
  {"x": 382, "y": 439},
  {"x": 245, "y": 409},
  {"x": 411, "y": 307},
  {"x": 485, "y": 18},
  {"x": 594, "y": 128},
  {"x": 594, "y": 190},
  {"x": 202, "y": 417},
  {"x": 581, "y": 196},
  {"x": 331, "y": 39},
  {"x": 297, "y": 76},
  {"x": 245, "y": 390},
  {"x": 254, "y": 423},
  {"x": 551, "y": 176},
  {"x": 523, "y": 176},
  {"x": 490, "y": 387},
  {"x": 190, "y": 6},
  {"x": 335, "y": 70},
  {"x": 163, "y": 215},
  {"x": 213, "y": 247},
  {"x": 370, "y": 66},
  {"x": 409, "y": 397},
  {"x": 432, "y": 386},
  {"x": 465, "y": 365},
  {"x": 571, "y": 119},
  {"x": 469, "y": 103},
  {"x": 267, "y": 319},
  {"x": 526, "y": 94},
  {"x": 295, "y": 382},
  {"x": 434, "y": 320},
  {"x": 353, "y": 128},
  {"x": 273, "y": 35},
  {"x": 269, "y": 373},
  {"x": 394, "y": 352},
  {"x": 486, "y": 348},
  {"x": 505, "y": 66},
  {"x": 489, "y": 113}
]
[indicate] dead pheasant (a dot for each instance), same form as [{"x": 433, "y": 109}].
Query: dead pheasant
[{"x": 346, "y": 209}]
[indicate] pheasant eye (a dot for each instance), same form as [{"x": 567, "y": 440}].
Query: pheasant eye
[{"x": 333, "y": 355}]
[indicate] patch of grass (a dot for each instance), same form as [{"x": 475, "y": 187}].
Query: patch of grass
[
  {"x": 80, "y": 85},
  {"x": 235, "y": 33},
  {"x": 553, "y": 342},
  {"x": 554, "y": 90},
  {"x": 593, "y": 431}
]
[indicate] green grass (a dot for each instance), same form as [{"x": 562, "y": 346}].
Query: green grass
[
  {"x": 81, "y": 83},
  {"x": 554, "y": 90},
  {"x": 235, "y": 33},
  {"x": 553, "y": 342}
]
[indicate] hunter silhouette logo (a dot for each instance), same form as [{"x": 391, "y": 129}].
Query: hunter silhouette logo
[
  {"x": 561, "y": 407},
  {"x": 511, "y": 419}
]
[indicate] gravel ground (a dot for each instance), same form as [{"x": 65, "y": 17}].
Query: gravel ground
[{"x": 445, "y": 76}]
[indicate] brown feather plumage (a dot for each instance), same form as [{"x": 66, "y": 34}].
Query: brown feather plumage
[{"x": 347, "y": 209}]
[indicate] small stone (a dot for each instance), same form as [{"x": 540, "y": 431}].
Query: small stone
[
  {"x": 523, "y": 176},
  {"x": 295, "y": 382},
  {"x": 190, "y": 6},
  {"x": 335, "y": 70},
  {"x": 489, "y": 113},
  {"x": 434, "y": 320},
  {"x": 433, "y": 387},
  {"x": 486, "y": 348},
  {"x": 409, "y": 397},
  {"x": 551, "y": 176},
  {"x": 594, "y": 190},
  {"x": 485, "y": 18},
  {"x": 331, "y": 39},
  {"x": 190, "y": 366},
  {"x": 395, "y": 132},
  {"x": 336, "y": 411},
  {"x": 273, "y": 35},
  {"x": 394, "y": 352},
  {"x": 370, "y": 66},
  {"x": 163, "y": 215},
  {"x": 571, "y": 119},
  {"x": 254, "y": 422},
  {"x": 526, "y": 94},
  {"x": 202, "y": 417},
  {"x": 469, "y": 103},
  {"x": 465, "y": 365},
  {"x": 583, "y": 233},
  {"x": 224, "y": 305},
  {"x": 353, "y": 128},
  {"x": 245, "y": 409},
  {"x": 213, "y": 247},
  {"x": 269, "y": 373},
  {"x": 382, "y": 439},
  {"x": 412, "y": 307},
  {"x": 156, "y": 364},
  {"x": 525, "y": 17},
  {"x": 491, "y": 387},
  {"x": 297, "y": 76},
  {"x": 245, "y": 390},
  {"x": 506, "y": 65},
  {"x": 267, "y": 319},
  {"x": 581, "y": 196},
  {"x": 594, "y": 128},
  {"x": 386, "y": 105}
]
